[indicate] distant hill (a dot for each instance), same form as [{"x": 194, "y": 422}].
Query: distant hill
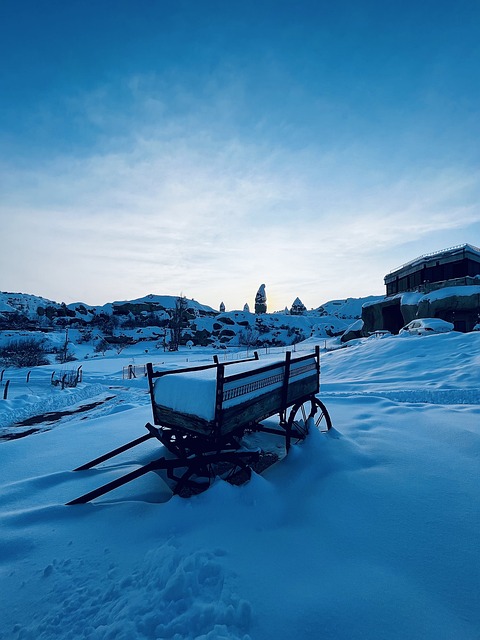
[
  {"x": 17, "y": 306},
  {"x": 348, "y": 309},
  {"x": 151, "y": 316}
]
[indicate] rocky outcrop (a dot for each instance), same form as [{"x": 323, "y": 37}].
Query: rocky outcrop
[
  {"x": 459, "y": 305},
  {"x": 355, "y": 330},
  {"x": 298, "y": 308}
]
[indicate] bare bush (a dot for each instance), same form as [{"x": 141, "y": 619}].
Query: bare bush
[
  {"x": 24, "y": 353},
  {"x": 65, "y": 355},
  {"x": 101, "y": 346},
  {"x": 248, "y": 337}
]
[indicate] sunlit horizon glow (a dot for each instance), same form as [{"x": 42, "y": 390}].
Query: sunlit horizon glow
[{"x": 206, "y": 148}]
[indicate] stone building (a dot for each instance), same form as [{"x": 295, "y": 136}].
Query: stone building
[{"x": 444, "y": 284}]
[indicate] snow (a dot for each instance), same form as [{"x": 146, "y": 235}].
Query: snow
[
  {"x": 414, "y": 298},
  {"x": 349, "y": 308},
  {"x": 369, "y": 531},
  {"x": 23, "y": 302},
  {"x": 194, "y": 392},
  {"x": 28, "y": 305},
  {"x": 410, "y": 298},
  {"x": 356, "y": 326},
  {"x": 6, "y": 307},
  {"x": 450, "y": 251},
  {"x": 449, "y": 292},
  {"x": 168, "y": 302}
]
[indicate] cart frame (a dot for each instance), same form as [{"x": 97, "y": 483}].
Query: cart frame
[{"x": 200, "y": 449}]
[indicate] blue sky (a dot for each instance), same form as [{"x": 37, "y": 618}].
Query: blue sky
[{"x": 204, "y": 147}]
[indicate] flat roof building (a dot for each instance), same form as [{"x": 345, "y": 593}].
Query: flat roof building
[{"x": 449, "y": 264}]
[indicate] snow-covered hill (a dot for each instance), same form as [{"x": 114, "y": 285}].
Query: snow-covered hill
[
  {"x": 348, "y": 309},
  {"x": 35, "y": 307},
  {"x": 152, "y": 314}
]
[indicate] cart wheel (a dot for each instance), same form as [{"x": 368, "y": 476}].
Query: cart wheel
[{"x": 307, "y": 414}]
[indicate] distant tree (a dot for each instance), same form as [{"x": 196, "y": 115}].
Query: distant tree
[
  {"x": 111, "y": 324},
  {"x": 299, "y": 336},
  {"x": 129, "y": 323},
  {"x": 222, "y": 307},
  {"x": 65, "y": 354},
  {"x": 246, "y": 308},
  {"x": 24, "y": 353},
  {"x": 178, "y": 322},
  {"x": 101, "y": 346},
  {"x": 86, "y": 335},
  {"x": 248, "y": 337},
  {"x": 261, "y": 300},
  {"x": 120, "y": 346}
]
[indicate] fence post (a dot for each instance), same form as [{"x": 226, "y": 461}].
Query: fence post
[
  {"x": 63, "y": 381},
  {"x": 5, "y": 391},
  {"x": 28, "y": 376},
  {"x": 1, "y": 375}
]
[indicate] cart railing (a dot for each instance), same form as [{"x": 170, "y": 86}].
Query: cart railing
[{"x": 238, "y": 399}]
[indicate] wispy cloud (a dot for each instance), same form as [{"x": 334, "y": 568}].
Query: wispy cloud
[{"x": 190, "y": 208}]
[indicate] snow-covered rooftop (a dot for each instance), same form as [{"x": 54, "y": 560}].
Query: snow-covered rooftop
[{"x": 468, "y": 248}]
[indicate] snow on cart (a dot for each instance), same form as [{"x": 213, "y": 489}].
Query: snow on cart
[{"x": 203, "y": 416}]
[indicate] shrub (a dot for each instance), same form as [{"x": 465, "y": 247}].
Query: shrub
[
  {"x": 24, "y": 353},
  {"x": 101, "y": 346},
  {"x": 248, "y": 337},
  {"x": 86, "y": 335},
  {"x": 65, "y": 355}
]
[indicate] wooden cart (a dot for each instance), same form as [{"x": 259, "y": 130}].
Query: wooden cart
[{"x": 202, "y": 414}]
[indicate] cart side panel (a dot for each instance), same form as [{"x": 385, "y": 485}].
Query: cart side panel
[
  {"x": 255, "y": 397},
  {"x": 303, "y": 379},
  {"x": 243, "y": 399},
  {"x": 166, "y": 417},
  {"x": 249, "y": 412},
  {"x": 261, "y": 407},
  {"x": 252, "y": 384}
]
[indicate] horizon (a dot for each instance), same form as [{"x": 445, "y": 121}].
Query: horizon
[
  {"x": 202, "y": 149},
  {"x": 166, "y": 295}
]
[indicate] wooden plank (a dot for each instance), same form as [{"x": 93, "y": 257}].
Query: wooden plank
[
  {"x": 301, "y": 389},
  {"x": 257, "y": 382},
  {"x": 251, "y": 411},
  {"x": 166, "y": 417},
  {"x": 158, "y": 374},
  {"x": 252, "y": 372}
]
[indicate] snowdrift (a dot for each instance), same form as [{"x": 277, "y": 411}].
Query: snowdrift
[{"x": 370, "y": 531}]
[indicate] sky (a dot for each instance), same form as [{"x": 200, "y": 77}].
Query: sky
[{"x": 206, "y": 147}]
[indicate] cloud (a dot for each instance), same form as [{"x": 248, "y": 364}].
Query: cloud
[{"x": 180, "y": 205}]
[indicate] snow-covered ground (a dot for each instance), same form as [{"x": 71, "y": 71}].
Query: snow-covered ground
[{"x": 370, "y": 531}]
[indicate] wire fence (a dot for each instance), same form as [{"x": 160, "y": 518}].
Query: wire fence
[{"x": 14, "y": 382}]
